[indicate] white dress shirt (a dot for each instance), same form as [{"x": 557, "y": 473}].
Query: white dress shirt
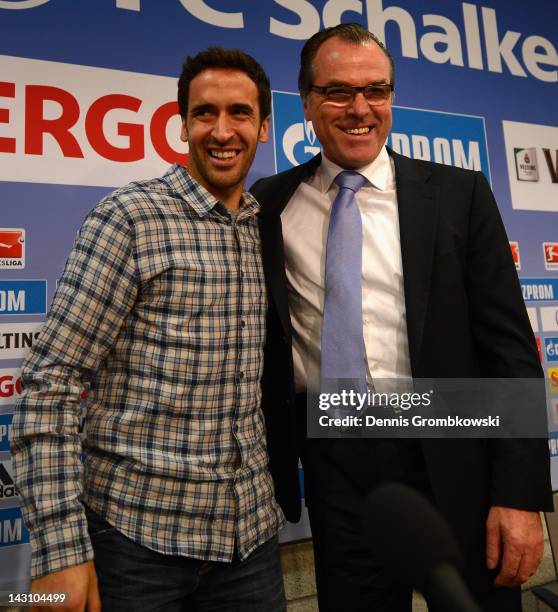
[{"x": 305, "y": 223}]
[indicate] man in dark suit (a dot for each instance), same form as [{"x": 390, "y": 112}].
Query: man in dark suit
[{"x": 440, "y": 298}]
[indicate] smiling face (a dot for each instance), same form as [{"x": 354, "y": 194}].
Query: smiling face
[
  {"x": 223, "y": 128},
  {"x": 352, "y": 135}
]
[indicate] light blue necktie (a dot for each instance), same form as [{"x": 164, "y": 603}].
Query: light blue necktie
[{"x": 342, "y": 350}]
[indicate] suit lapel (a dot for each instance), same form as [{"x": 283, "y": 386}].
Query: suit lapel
[
  {"x": 273, "y": 198},
  {"x": 418, "y": 220}
]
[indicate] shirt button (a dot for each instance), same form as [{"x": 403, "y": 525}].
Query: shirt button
[{"x": 243, "y": 323}]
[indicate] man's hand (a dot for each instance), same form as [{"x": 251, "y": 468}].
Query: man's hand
[
  {"x": 516, "y": 538},
  {"x": 78, "y": 582}
]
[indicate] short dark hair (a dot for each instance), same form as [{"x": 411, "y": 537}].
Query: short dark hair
[
  {"x": 349, "y": 32},
  {"x": 229, "y": 59}
]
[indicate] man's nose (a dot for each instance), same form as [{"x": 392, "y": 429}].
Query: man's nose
[
  {"x": 359, "y": 105},
  {"x": 222, "y": 130}
]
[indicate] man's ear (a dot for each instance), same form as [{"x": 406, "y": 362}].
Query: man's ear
[
  {"x": 264, "y": 130},
  {"x": 305, "y": 106},
  {"x": 184, "y": 131}
]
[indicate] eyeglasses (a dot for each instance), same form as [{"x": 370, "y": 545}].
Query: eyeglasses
[{"x": 341, "y": 95}]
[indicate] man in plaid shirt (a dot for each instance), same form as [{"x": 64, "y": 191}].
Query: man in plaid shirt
[{"x": 160, "y": 314}]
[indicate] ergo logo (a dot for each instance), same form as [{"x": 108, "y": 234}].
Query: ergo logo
[
  {"x": 37, "y": 125},
  {"x": 10, "y": 385},
  {"x": 83, "y": 125}
]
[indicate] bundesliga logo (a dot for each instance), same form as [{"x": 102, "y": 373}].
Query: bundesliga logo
[
  {"x": 550, "y": 251},
  {"x": 12, "y": 249},
  {"x": 514, "y": 246},
  {"x": 526, "y": 164}
]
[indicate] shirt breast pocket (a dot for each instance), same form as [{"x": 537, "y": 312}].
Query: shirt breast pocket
[{"x": 188, "y": 288}]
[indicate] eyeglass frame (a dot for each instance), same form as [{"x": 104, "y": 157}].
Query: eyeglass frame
[{"x": 322, "y": 90}]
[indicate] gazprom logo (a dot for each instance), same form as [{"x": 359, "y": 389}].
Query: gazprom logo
[
  {"x": 294, "y": 137},
  {"x": 5, "y": 431},
  {"x": 23, "y": 297},
  {"x": 12, "y": 528},
  {"x": 446, "y": 138}
]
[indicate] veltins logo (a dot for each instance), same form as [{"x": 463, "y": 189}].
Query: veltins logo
[
  {"x": 10, "y": 385},
  {"x": 12, "y": 249},
  {"x": 551, "y": 348},
  {"x": 5, "y": 431},
  {"x": 532, "y": 312},
  {"x": 12, "y": 528},
  {"x": 532, "y": 159},
  {"x": 294, "y": 137},
  {"x": 549, "y": 318},
  {"x": 553, "y": 377},
  {"x": 446, "y": 138},
  {"x": 550, "y": 253},
  {"x": 23, "y": 297},
  {"x": 16, "y": 339},
  {"x": 7, "y": 485},
  {"x": 514, "y": 246},
  {"x": 526, "y": 168}
]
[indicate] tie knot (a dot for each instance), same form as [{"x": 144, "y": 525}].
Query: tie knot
[{"x": 350, "y": 180}]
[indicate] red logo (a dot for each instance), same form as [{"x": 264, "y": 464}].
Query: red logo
[
  {"x": 514, "y": 246},
  {"x": 37, "y": 125},
  {"x": 12, "y": 245},
  {"x": 550, "y": 250},
  {"x": 539, "y": 347},
  {"x": 10, "y": 386}
]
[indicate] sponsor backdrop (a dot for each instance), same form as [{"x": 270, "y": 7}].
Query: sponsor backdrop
[{"x": 87, "y": 103}]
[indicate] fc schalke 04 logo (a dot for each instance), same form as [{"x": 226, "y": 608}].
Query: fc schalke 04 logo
[{"x": 21, "y": 4}]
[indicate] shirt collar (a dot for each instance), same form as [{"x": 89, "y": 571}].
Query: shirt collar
[
  {"x": 198, "y": 198},
  {"x": 378, "y": 172}
]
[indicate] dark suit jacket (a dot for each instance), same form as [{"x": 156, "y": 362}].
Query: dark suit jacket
[{"x": 465, "y": 318}]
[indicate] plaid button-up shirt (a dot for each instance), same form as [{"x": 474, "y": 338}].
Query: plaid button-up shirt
[{"x": 160, "y": 314}]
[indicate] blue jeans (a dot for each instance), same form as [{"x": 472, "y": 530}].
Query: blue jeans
[{"x": 133, "y": 577}]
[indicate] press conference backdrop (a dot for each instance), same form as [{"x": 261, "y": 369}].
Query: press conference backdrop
[{"x": 87, "y": 103}]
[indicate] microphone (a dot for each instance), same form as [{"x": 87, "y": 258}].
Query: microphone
[{"x": 415, "y": 539}]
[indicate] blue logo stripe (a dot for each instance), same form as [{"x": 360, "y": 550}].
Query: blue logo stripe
[{"x": 23, "y": 297}]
